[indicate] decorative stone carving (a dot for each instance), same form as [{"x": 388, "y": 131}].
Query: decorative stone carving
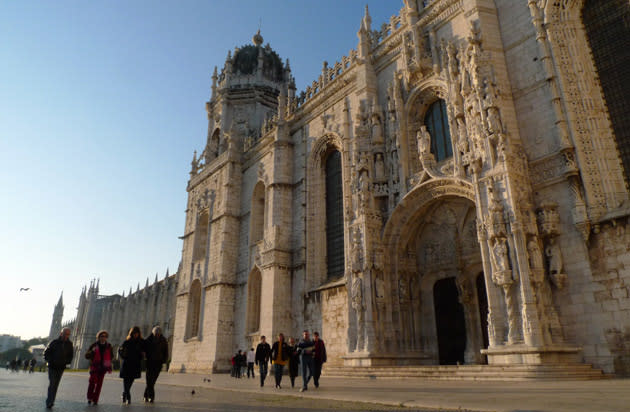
[
  {"x": 379, "y": 168},
  {"x": 359, "y": 309},
  {"x": 554, "y": 256}
]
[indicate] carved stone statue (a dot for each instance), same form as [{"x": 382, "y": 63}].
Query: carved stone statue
[
  {"x": 364, "y": 189},
  {"x": 394, "y": 166},
  {"x": 494, "y": 121},
  {"x": 553, "y": 253},
  {"x": 377, "y": 130},
  {"x": 462, "y": 138},
  {"x": 379, "y": 168},
  {"x": 499, "y": 255},
  {"x": 424, "y": 141}
]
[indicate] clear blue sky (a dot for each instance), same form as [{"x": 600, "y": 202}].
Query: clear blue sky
[{"x": 101, "y": 107}]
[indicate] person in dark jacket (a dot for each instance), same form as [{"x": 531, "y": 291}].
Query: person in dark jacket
[
  {"x": 263, "y": 353},
  {"x": 280, "y": 353},
  {"x": 306, "y": 347},
  {"x": 100, "y": 354},
  {"x": 157, "y": 354},
  {"x": 58, "y": 354},
  {"x": 131, "y": 351},
  {"x": 294, "y": 361},
  {"x": 319, "y": 358}
]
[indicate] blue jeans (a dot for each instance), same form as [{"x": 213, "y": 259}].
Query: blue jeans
[
  {"x": 307, "y": 363},
  {"x": 54, "y": 377}
]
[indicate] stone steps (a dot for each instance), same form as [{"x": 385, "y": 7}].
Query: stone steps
[{"x": 578, "y": 371}]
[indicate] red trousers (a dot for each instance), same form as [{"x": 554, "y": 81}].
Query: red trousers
[{"x": 94, "y": 387}]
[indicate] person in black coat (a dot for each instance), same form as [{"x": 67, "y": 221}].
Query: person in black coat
[
  {"x": 263, "y": 354},
  {"x": 58, "y": 354},
  {"x": 294, "y": 361},
  {"x": 131, "y": 351},
  {"x": 157, "y": 354}
]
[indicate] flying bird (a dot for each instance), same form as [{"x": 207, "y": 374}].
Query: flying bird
[{"x": 24, "y": 289}]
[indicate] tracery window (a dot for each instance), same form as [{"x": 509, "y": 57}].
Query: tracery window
[
  {"x": 334, "y": 216},
  {"x": 607, "y": 24},
  {"x": 436, "y": 121},
  {"x": 194, "y": 308}
]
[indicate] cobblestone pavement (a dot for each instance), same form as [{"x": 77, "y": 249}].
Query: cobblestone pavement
[{"x": 21, "y": 392}]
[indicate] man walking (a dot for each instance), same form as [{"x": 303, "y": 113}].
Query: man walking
[
  {"x": 263, "y": 354},
  {"x": 319, "y": 358},
  {"x": 157, "y": 354},
  {"x": 306, "y": 345},
  {"x": 251, "y": 359},
  {"x": 58, "y": 354}
]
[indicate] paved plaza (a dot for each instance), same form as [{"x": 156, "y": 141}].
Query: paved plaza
[{"x": 23, "y": 392}]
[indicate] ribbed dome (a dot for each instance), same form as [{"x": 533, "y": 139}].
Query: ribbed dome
[{"x": 246, "y": 62}]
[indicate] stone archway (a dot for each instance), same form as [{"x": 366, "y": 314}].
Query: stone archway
[{"x": 432, "y": 236}]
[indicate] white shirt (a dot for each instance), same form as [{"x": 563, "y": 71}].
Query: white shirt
[{"x": 251, "y": 356}]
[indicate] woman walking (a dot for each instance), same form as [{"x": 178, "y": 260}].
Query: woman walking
[
  {"x": 279, "y": 357},
  {"x": 131, "y": 352},
  {"x": 294, "y": 361},
  {"x": 100, "y": 355}
]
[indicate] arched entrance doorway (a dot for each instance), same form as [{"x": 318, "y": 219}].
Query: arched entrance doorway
[{"x": 433, "y": 260}]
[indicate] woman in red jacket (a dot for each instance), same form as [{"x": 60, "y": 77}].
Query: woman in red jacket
[{"x": 100, "y": 355}]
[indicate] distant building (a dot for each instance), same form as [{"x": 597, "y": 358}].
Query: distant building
[
  {"x": 147, "y": 307},
  {"x": 38, "y": 352},
  {"x": 8, "y": 342}
]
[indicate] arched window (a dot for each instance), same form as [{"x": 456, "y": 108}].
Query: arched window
[
  {"x": 436, "y": 122},
  {"x": 254, "y": 285},
  {"x": 607, "y": 24},
  {"x": 334, "y": 217},
  {"x": 201, "y": 237},
  {"x": 194, "y": 308},
  {"x": 257, "y": 214}
]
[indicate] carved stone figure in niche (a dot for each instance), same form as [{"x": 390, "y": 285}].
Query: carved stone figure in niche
[
  {"x": 494, "y": 121},
  {"x": 462, "y": 139},
  {"x": 364, "y": 189},
  {"x": 394, "y": 166},
  {"x": 377, "y": 130},
  {"x": 424, "y": 141},
  {"x": 379, "y": 168},
  {"x": 499, "y": 255},
  {"x": 554, "y": 256},
  {"x": 357, "y": 251}
]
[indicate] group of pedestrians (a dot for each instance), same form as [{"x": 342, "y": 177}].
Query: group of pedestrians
[
  {"x": 26, "y": 365},
  {"x": 132, "y": 352},
  {"x": 310, "y": 353}
]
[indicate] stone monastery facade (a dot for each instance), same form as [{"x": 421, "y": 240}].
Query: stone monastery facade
[{"x": 451, "y": 191}]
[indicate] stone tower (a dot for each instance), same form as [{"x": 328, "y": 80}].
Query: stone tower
[
  {"x": 248, "y": 101},
  {"x": 55, "y": 325}
]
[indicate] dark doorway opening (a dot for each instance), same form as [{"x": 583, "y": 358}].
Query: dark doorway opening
[
  {"x": 450, "y": 322},
  {"x": 482, "y": 298}
]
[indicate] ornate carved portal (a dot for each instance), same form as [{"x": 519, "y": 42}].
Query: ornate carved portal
[{"x": 431, "y": 287}]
